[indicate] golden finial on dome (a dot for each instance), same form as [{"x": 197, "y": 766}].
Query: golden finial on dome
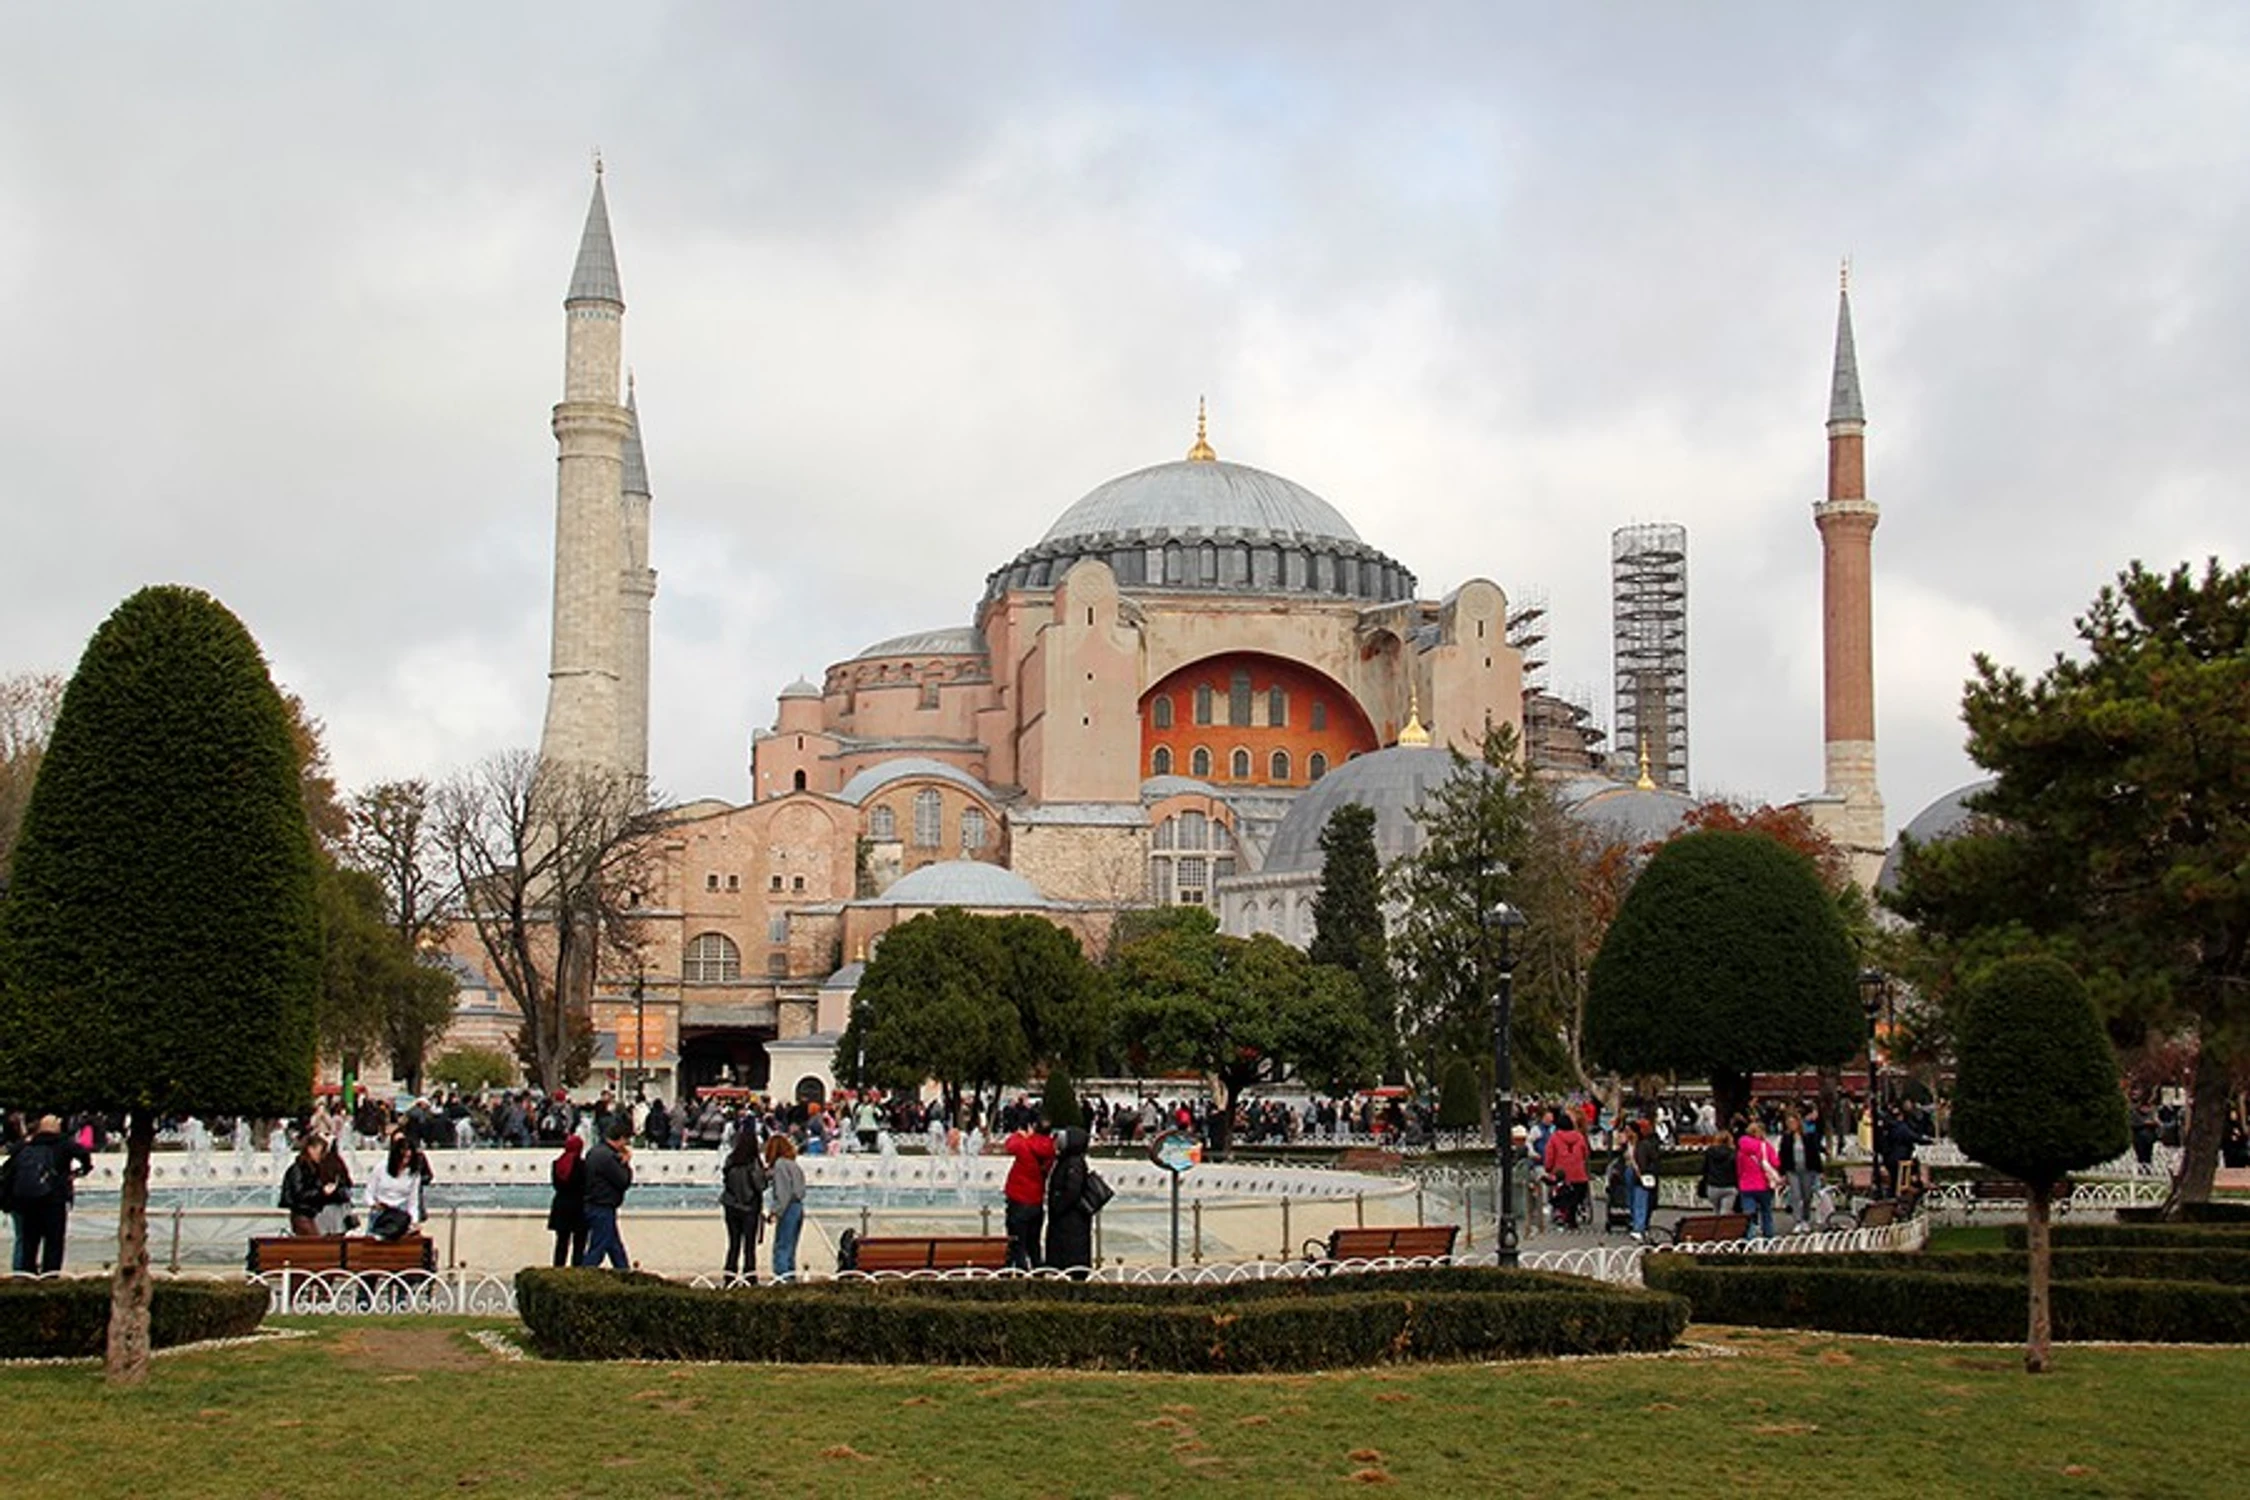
[
  {"x": 1647, "y": 783},
  {"x": 1413, "y": 733},
  {"x": 1201, "y": 453}
]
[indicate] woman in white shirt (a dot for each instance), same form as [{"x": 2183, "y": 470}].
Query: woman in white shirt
[{"x": 394, "y": 1193}]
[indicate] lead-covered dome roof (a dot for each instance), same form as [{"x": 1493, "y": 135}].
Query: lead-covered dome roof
[{"x": 1203, "y": 525}]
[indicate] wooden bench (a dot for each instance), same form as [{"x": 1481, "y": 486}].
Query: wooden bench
[
  {"x": 2010, "y": 1192},
  {"x": 1369, "y": 1159},
  {"x": 1702, "y": 1229},
  {"x": 342, "y": 1252},
  {"x": 1387, "y": 1241},
  {"x": 933, "y": 1252}
]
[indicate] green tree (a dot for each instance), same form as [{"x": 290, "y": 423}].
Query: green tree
[
  {"x": 473, "y": 1069},
  {"x": 1242, "y": 1012},
  {"x": 1058, "y": 1100},
  {"x": 1348, "y": 926},
  {"x": 974, "y": 1002},
  {"x": 1480, "y": 845},
  {"x": 1461, "y": 1095},
  {"x": 1728, "y": 957},
  {"x": 2116, "y": 834},
  {"x": 2037, "y": 1095},
  {"x": 376, "y": 989},
  {"x": 160, "y": 945}
]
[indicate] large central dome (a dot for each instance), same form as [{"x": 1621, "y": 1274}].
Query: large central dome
[
  {"x": 1201, "y": 526},
  {"x": 1202, "y": 498}
]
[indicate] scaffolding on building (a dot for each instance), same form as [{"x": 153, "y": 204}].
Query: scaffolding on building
[
  {"x": 1558, "y": 733},
  {"x": 1649, "y": 611}
]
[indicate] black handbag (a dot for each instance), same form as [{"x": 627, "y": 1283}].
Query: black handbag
[
  {"x": 1095, "y": 1195},
  {"x": 390, "y": 1222}
]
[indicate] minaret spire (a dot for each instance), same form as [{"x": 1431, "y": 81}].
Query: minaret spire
[
  {"x": 589, "y": 678},
  {"x": 1850, "y": 808},
  {"x": 1202, "y": 452}
]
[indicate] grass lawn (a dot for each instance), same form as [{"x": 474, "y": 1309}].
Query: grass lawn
[{"x": 414, "y": 1406}]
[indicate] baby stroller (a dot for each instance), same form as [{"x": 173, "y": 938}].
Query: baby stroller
[
  {"x": 1617, "y": 1198},
  {"x": 1567, "y": 1200}
]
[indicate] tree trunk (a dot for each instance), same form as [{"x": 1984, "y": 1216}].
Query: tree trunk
[
  {"x": 2035, "y": 1352},
  {"x": 2206, "y": 1125},
  {"x": 1730, "y": 1095},
  {"x": 129, "y": 1290}
]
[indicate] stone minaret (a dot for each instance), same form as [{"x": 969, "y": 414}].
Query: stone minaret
[
  {"x": 1851, "y": 807},
  {"x": 636, "y": 591},
  {"x": 586, "y": 686}
]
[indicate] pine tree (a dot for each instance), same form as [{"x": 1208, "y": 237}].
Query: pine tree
[
  {"x": 160, "y": 948},
  {"x": 1348, "y": 916},
  {"x": 2037, "y": 1095}
]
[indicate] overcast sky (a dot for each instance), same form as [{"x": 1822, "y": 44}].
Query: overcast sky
[{"x": 282, "y": 285}]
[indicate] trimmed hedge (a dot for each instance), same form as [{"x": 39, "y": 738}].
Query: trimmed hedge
[
  {"x": 2191, "y": 1213},
  {"x": 1902, "y": 1298},
  {"x": 2154, "y": 1236},
  {"x": 1295, "y": 1325},
  {"x": 69, "y": 1317}
]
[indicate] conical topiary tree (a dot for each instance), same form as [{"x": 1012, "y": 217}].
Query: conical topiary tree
[
  {"x": 160, "y": 947},
  {"x": 2036, "y": 1094},
  {"x": 1728, "y": 957},
  {"x": 1461, "y": 1095}
]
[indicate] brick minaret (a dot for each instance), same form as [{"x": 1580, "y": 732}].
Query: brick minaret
[
  {"x": 1851, "y": 806},
  {"x": 586, "y": 688}
]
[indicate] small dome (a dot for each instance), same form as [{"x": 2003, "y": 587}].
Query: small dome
[
  {"x": 867, "y": 783},
  {"x": 1393, "y": 782},
  {"x": 1199, "y": 498},
  {"x": 801, "y": 689},
  {"x": 1629, "y": 814},
  {"x": 962, "y": 882},
  {"x": 959, "y": 640},
  {"x": 1942, "y": 819}
]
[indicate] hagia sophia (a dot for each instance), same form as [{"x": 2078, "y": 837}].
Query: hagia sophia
[{"x": 1159, "y": 700}]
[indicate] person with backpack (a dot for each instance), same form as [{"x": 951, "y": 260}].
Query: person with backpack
[
  {"x": 39, "y": 1182},
  {"x": 742, "y": 1197}
]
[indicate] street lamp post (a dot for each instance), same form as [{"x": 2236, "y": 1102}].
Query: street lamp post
[
  {"x": 640, "y": 1028},
  {"x": 1506, "y": 921}
]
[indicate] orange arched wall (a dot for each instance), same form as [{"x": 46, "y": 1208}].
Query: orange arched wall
[{"x": 1347, "y": 731}]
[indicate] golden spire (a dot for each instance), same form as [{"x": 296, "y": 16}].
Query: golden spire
[
  {"x": 1201, "y": 453},
  {"x": 1413, "y": 733},
  {"x": 1647, "y": 783}
]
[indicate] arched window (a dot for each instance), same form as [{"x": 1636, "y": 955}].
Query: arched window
[
  {"x": 1199, "y": 764},
  {"x": 972, "y": 829},
  {"x": 1316, "y": 766},
  {"x": 712, "y": 958},
  {"x": 1280, "y": 768},
  {"x": 882, "y": 825},
  {"x": 1238, "y": 699},
  {"x": 1319, "y": 716},
  {"x": 1241, "y": 766},
  {"x": 1160, "y": 711},
  {"x": 1203, "y": 703},
  {"x": 799, "y": 780},
  {"x": 1160, "y": 763},
  {"x": 928, "y": 811},
  {"x": 1195, "y": 830},
  {"x": 1277, "y": 707}
]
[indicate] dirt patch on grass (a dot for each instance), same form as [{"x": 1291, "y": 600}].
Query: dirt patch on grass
[{"x": 411, "y": 1350}]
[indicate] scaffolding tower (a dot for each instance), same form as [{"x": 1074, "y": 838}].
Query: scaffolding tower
[{"x": 1649, "y": 610}]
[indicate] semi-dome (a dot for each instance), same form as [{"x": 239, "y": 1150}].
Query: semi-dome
[
  {"x": 1942, "y": 819},
  {"x": 1203, "y": 525},
  {"x": 1393, "y": 782},
  {"x": 962, "y": 882}
]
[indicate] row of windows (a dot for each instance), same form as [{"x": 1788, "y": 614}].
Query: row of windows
[
  {"x": 1209, "y": 565},
  {"x": 1240, "y": 699},
  {"x": 1238, "y": 768},
  {"x": 734, "y": 882},
  {"x": 713, "y": 958},
  {"x": 929, "y": 817}
]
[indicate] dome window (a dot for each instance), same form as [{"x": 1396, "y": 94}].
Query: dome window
[
  {"x": 1160, "y": 763},
  {"x": 1241, "y": 765},
  {"x": 1316, "y": 766},
  {"x": 1280, "y": 768},
  {"x": 1160, "y": 711}
]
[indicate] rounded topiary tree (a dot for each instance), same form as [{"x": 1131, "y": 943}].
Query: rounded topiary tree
[
  {"x": 160, "y": 947},
  {"x": 1461, "y": 1095},
  {"x": 2036, "y": 1095},
  {"x": 1728, "y": 957}
]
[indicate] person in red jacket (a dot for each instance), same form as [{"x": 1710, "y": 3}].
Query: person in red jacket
[
  {"x": 1025, "y": 1192},
  {"x": 1565, "y": 1161}
]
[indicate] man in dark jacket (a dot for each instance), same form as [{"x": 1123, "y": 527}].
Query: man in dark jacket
[
  {"x": 609, "y": 1174},
  {"x": 42, "y": 1179}
]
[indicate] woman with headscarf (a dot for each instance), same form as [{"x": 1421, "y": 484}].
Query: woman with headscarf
[
  {"x": 1070, "y": 1225},
  {"x": 566, "y": 1213}
]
